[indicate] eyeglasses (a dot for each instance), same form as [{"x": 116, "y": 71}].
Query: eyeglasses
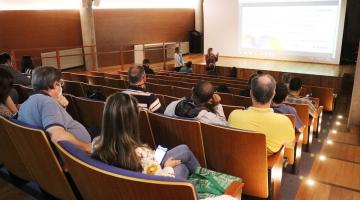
[{"x": 61, "y": 82}]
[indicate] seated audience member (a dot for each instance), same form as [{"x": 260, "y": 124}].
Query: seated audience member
[
  {"x": 233, "y": 72},
  {"x": 281, "y": 93},
  {"x": 222, "y": 89},
  {"x": 137, "y": 88},
  {"x": 7, "y": 106},
  {"x": 294, "y": 96},
  {"x": 146, "y": 66},
  {"x": 211, "y": 58},
  {"x": 286, "y": 78},
  {"x": 211, "y": 70},
  {"x": 19, "y": 78},
  {"x": 179, "y": 60},
  {"x": 246, "y": 92},
  {"x": 261, "y": 118},
  {"x": 119, "y": 144},
  {"x": 46, "y": 109},
  {"x": 203, "y": 93},
  {"x": 187, "y": 68},
  {"x": 27, "y": 65}
]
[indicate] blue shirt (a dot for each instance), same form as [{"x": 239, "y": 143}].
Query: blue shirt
[
  {"x": 185, "y": 70},
  {"x": 285, "y": 109},
  {"x": 43, "y": 111}
]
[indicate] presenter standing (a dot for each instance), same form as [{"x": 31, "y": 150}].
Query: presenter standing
[
  {"x": 211, "y": 58},
  {"x": 179, "y": 60}
]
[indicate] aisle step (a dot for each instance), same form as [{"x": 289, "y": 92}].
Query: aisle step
[{"x": 340, "y": 151}]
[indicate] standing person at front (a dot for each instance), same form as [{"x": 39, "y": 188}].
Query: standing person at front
[
  {"x": 211, "y": 58},
  {"x": 261, "y": 118},
  {"x": 179, "y": 60},
  {"x": 119, "y": 143}
]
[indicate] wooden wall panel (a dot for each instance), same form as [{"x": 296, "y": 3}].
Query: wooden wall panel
[
  {"x": 115, "y": 27},
  {"x": 26, "y": 29}
]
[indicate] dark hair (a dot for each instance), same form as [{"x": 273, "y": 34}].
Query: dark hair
[
  {"x": 136, "y": 74},
  {"x": 286, "y": 77},
  {"x": 259, "y": 72},
  {"x": 119, "y": 133},
  {"x": 202, "y": 92},
  {"x": 26, "y": 63},
  {"x": 6, "y": 81},
  {"x": 263, "y": 90},
  {"x": 43, "y": 78},
  {"x": 177, "y": 49},
  {"x": 222, "y": 89},
  {"x": 210, "y": 49},
  {"x": 295, "y": 84},
  {"x": 233, "y": 72},
  {"x": 188, "y": 64},
  {"x": 4, "y": 58},
  {"x": 146, "y": 61},
  {"x": 281, "y": 93}
]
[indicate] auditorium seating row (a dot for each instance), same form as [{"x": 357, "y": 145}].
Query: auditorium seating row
[{"x": 164, "y": 130}]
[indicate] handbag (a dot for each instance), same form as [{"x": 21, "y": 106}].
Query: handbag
[{"x": 210, "y": 183}]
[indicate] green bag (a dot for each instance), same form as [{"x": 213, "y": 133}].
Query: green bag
[{"x": 210, "y": 183}]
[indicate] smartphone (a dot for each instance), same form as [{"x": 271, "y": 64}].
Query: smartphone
[{"x": 160, "y": 153}]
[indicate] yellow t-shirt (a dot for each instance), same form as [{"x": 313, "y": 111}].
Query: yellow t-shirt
[{"x": 277, "y": 127}]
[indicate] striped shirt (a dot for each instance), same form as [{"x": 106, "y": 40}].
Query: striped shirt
[
  {"x": 146, "y": 100},
  {"x": 302, "y": 100}
]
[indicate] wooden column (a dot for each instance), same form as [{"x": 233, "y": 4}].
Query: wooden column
[
  {"x": 88, "y": 35},
  {"x": 354, "y": 114},
  {"x": 199, "y": 16}
]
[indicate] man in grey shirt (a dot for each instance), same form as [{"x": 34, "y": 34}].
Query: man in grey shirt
[
  {"x": 46, "y": 109},
  {"x": 19, "y": 78}
]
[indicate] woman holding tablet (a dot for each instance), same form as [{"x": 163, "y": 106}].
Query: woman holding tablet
[{"x": 119, "y": 143}]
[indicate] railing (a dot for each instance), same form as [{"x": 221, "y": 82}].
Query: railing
[{"x": 92, "y": 52}]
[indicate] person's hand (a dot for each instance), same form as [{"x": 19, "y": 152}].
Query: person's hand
[
  {"x": 215, "y": 100},
  {"x": 172, "y": 163},
  {"x": 63, "y": 101}
]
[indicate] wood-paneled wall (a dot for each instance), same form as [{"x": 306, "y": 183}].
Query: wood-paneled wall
[
  {"x": 115, "y": 27},
  {"x": 27, "y": 29}
]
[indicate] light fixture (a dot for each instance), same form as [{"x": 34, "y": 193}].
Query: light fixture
[
  {"x": 329, "y": 142},
  {"x": 334, "y": 131},
  {"x": 340, "y": 117},
  {"x": 322, "y": 157},
  {"x": 337, "y": 123},
  {"x": 310, "y": 182}
]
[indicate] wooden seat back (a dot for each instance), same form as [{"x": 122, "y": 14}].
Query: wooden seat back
[
  {"x": 90, "y": 114},
  {"x": 66, "y": 76},
  {"x": 228, "y": 109},
  {"x": 181, "y": 92},
  {"x": 23, "y": 91},
  {"x": 169, "y": 99},
  {"x": 107, "y": 91},
  {"x": 71, "y": 108},
  {"x": 79, "y": 77},
  {"x": 146, "y": 134},
  {"x": 94, "y": 183},
  {"x": 239, "y": 153},
  {"x": 97, "y": 73},
  {"x": 9, "y": 155},
  {"x": 96, "y": 80},
  {"x": 115, "y": 83},
  {"x": 74, "y": 88},
  {"x": 242, "y": 101},
  {"x": 40, "y": 160},
  {"x": 171, "y": 132},
  {"x": 115, "y": 76},
  {"x": 159, "y": 89},
  {"x": 226, "y": 99},
  {"x": 303, "y": 112}
]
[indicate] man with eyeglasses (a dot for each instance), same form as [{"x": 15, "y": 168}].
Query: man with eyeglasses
[{"x": 45, "y": 109}]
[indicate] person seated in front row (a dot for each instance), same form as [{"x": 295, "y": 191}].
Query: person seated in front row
[
  {"x": 137, "y": 88},
  {"x": 147, "y": 68},
  {"x": 278, "y": 105},
  {"x": 211, "y": 58},
  {"x": 294, "y": 96},
  {"x": 46, "y": 109},
  {"x": 119, "y": 144},
  {"x": 187, "y": 68},
  {"x": 27, "y": 65},
  {"x": 178, "y": 59},
  {"x": 261, "y": 118},
  {"x": 212, "y": 70},
  {"x": 194, "y": 107},
  {"x": 7, "y": 106}
]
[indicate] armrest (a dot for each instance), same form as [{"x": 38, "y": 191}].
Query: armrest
[
  {"x": 275, "y": 158},
  {"x": 235, "y": 189}
]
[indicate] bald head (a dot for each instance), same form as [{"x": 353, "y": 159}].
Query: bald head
[
  {"x": 263, "y": 88},
  {"x": 202, "y": 92},
  {"x": 136, "y": 74}
]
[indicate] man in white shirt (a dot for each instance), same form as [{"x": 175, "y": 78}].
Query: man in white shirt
[
  {"x": 179, "y": 60},
  {"x": 194, "y": 107}
]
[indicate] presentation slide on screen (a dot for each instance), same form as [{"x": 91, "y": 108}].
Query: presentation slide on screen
[
  {"x": 289, "y": 28},
  {"x": 302, "y": 30}
]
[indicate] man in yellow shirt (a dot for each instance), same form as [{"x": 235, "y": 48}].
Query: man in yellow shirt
[{"x": 261, "y": 118}]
